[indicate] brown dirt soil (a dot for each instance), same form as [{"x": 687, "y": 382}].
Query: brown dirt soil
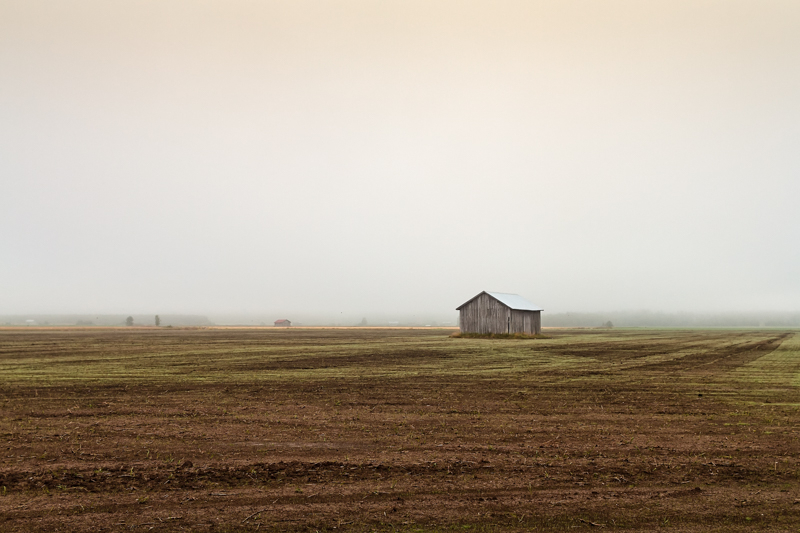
[{"x": 409, "y": 430}]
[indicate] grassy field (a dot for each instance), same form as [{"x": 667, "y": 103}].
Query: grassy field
[{"x": 398, "y": 430}]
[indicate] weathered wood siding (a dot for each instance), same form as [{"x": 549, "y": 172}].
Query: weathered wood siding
[{"x": 486, "y": 315}]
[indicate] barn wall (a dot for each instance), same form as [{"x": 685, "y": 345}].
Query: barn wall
[
  {"x": 528, "y": 322},
  {"x": 485, "y": 315},
  {"x": 518, "y": 321}
]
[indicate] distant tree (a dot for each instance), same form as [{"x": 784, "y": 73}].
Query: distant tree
[
  {"x": 158, "y": 320},
  {"x": 129, "y": 321},
  {"x": 363, "y": 323},
  {"x": 608, "y": 325}
]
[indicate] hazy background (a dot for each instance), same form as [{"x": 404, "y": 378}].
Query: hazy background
[{"x": 354, "y": 159}]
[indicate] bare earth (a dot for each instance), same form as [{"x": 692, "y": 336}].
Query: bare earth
[{"x": 402, "y": 429}]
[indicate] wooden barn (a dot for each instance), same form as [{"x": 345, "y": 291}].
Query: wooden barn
[
  {"x": 499, "y": 312},
  {"x": 283, "y": 323}
]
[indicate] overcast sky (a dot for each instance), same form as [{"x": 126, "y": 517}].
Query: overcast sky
[{"x": 379, "y": 156}]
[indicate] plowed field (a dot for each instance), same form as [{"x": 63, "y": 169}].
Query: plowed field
[{"x": 398, "y": 430}]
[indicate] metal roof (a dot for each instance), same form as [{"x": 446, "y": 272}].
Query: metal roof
[{"x": 513, "y": 301}]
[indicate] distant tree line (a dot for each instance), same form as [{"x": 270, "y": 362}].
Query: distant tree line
[
  {"x": 659, "y": 319},
  {"x": 104, "y": 320}
]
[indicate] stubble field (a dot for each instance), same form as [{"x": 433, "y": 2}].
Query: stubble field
[{"x": 398, "y": 430}]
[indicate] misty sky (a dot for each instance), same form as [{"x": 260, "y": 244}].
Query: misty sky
[{"x": 379, "y": 156}]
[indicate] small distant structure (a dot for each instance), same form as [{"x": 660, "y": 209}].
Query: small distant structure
[
  {"x": 283, "y": 323},
  {"x": 499, "y": 312}
]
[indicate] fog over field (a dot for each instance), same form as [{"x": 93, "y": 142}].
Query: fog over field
[{"x": 349, "y": 159}]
